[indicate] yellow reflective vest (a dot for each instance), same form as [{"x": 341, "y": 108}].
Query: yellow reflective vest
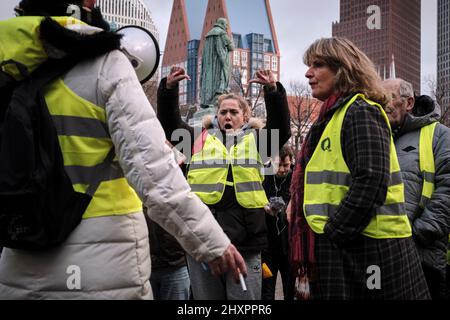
[
  {"x": 209, "y": 167},
  {"x": 426, "y": 162},
  {"x": 427, "y": 167},
  {"x": 328, "y": 179},
  {"x": 81, "y": 126}
]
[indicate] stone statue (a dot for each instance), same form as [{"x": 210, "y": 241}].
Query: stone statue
[{"x": 216, "y": 67}]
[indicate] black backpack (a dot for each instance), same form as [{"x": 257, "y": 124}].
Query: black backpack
[{"x": 38, "y": 205}]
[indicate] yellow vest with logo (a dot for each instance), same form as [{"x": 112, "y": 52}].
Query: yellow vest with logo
[
  {"x": 209, "y": 167},
  {"x": 81, "y": 125},
  {"x": 328, "y": 179}
]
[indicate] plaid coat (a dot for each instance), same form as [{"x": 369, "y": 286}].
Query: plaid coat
[{"x": 344, "y": 256}]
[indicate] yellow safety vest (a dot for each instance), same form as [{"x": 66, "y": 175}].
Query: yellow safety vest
[
  {"x": 81, "y": 125},
  {"x": 209, "y": 167},
  {"x": 427, "y": 167},
  {"x": 328, "y": 179},
  {"x": 426, "y": 162}
]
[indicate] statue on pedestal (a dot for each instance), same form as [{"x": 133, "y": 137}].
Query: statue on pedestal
[{"x": 216, "y": 66}]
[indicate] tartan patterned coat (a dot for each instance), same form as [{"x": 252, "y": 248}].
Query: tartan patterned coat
[{"x": 345, "y": 258}]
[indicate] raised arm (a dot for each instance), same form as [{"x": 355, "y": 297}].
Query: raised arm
[
  {"x": 278, "y": 116},
  {"x": 150, "y": 168},
  {"x": 168, "y": 110}
]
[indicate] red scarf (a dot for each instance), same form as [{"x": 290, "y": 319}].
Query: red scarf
[{"x": 301, "y": 237}]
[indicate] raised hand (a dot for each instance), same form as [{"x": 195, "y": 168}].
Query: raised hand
[
  {"x": 176, "y": 75},
  {"x": 264, "y": 77},
  {"x": 230, "y": 261}
]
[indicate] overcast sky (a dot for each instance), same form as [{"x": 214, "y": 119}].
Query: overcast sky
[{"x": 298, "y": 23}]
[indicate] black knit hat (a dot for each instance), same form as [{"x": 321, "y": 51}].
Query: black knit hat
[{"x": 45, "y": 7}]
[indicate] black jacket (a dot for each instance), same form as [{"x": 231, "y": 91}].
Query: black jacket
[
  {"x": 277, "y": 227},
  {"x": 165, "y": 250}
]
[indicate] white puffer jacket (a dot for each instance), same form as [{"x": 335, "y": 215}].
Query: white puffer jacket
[{"x": 108, "y": 257}]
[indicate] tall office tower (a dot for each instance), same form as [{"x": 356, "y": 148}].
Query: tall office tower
[
  {"x": 443, "y": 58},
  {"x": 388, "y": 31},
  {"x": 251, "y": 28},
  {"x": 133, "y": 12},
  {"x": 128, "y": 12}
]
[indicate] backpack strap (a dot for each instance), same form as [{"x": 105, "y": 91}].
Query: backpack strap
[
  {"x": 23, "y": 70},
  {"x": 102, "y": 173},
  {"x": 5, "y": 79},
  {"x": 50, "y": 70},
  {"x": 43, "y": 75}
]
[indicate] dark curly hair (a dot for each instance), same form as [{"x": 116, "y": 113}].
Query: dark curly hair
[{"x": 286, "y": 151}]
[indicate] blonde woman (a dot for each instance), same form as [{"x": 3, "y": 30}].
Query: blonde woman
[
  {"x": 350, "y": 234},
  {"x": 224, "y": 171}
]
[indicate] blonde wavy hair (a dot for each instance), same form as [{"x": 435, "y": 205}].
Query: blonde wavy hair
[
  {"x": 355, "y": 72},
  {"x": 243, "y": 104}
]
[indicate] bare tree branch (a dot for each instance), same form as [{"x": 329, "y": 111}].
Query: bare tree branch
[
  {"x": 438, "y": 94},
  {"x": 304, "y": 108},
  {"x": 151, "y": 89}
]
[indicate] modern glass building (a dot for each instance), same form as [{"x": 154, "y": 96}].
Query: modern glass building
[
  {"x": 443, "y": 54},
  {"x": 129, "y": 12},
  {"x": 251, "y": 28},
  {"x": 388, "y": 31}
]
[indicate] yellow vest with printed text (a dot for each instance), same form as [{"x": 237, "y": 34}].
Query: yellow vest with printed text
[{"x": 328, "y": 180}]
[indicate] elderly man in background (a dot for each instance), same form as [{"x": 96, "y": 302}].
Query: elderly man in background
[{"x": 423, "y": 149}]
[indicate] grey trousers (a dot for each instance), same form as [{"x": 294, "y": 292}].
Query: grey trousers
[{"x": 207, "y": 287}]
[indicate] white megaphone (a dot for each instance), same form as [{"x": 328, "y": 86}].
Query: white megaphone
[{"x": 142, "y": 49}]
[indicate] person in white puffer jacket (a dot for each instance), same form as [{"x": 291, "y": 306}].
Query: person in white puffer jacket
[{"x": 107, "y": 255}]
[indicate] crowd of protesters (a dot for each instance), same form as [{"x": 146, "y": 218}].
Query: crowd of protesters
[{"x": 361, "y": 212}]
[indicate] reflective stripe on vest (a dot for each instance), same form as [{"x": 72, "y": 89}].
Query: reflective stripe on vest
[
  {"x": 328, "y": 179},
  {"x": 209, "y": 167},
  {"x": 426, "y": 162},
  {"x": 85, "y": 142}
]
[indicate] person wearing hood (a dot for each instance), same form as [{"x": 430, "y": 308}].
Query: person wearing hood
[
  {"x": 423, "y": 150},
  {"x": 98, "y": 107},
  {"x": 228, "y": 153}
]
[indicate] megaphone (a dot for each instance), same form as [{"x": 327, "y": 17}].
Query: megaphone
[{"x": 142, "y": 49}]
